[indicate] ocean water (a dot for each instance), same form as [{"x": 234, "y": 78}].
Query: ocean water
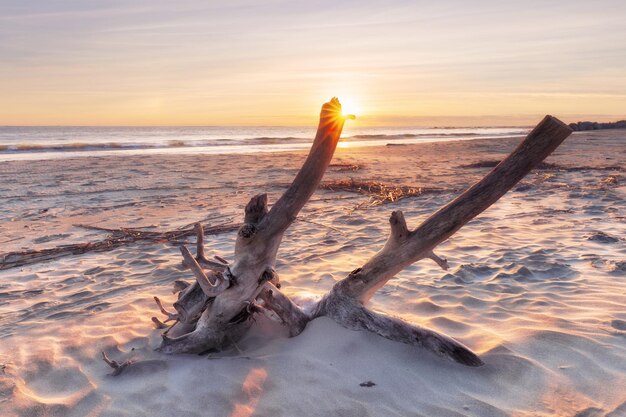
[{"x": 51, "y": 142}]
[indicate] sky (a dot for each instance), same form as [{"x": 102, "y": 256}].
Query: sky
[{"x": 405, "y": 63}]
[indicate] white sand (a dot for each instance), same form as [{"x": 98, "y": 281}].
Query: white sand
[{"x": 532, "y": 287}]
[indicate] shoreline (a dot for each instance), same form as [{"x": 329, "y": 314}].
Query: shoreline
[
  {"x": 42, "y": 155},
  {"x": 46, "y": 143},
  {"x": 122, "y": 180}
]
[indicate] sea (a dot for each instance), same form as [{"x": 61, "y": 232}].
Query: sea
[{"x": 53, "y": 142}]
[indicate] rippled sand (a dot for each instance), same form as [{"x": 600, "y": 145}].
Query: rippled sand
[{"x": 537, "y": 286}]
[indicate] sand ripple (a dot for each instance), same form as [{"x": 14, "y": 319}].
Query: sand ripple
[{"x": 536, "y": 285}]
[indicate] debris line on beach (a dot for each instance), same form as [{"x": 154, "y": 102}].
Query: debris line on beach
[
  {"x": 116, "y": 238},
  {"x": 379, "y": 192}
]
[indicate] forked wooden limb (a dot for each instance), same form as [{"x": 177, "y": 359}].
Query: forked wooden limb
[
  {"x": 212, "y": 286},
  {"x": 350, "y": 313},
  {"x": 222, "y": 316},
  {"x": 191, "y": 302},
  {"x": 118, "y": 368},
  {"x": 170, "y": 316},
  {"x": 442, "y": 262},
  {"x": 200, "y": 255},
  {"x": 159, "y": 324},
  {"x": 216, "y": 310},
  {"x": 179, "y": 285},
  {"x": 406, "y": 247},
  {"x": 199, "y": 229},
  {"x": 284, "y": 212},
  {"x": 290, "y": 314}
]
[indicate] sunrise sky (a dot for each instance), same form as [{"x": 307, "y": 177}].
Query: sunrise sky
[{"x": 199, "y": 62}]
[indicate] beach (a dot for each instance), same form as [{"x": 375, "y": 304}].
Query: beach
[{"x": 536, "y": 286}]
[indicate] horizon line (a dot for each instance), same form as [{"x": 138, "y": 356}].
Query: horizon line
[{"x": 360, "y": 122}]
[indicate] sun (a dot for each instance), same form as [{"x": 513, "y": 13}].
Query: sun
[{"x": 349, "y": 108}]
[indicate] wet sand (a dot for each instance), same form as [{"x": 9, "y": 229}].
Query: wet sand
[{"x": 536, "y": 286}]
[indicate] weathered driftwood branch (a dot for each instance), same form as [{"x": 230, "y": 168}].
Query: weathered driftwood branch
[
  {"x": 284, "y": 212},
  {"x": 118, "y": 237},
  {"x": 200, "y": 256},
  {"x": 212, "y": 284},
  {"x": 405, "y": 247},
  {"x": 217, "y": 308},
  {"x": 290, "y": 314},
  {"x": 118, "y": 368},
  {"x": 225, "y": 315}
]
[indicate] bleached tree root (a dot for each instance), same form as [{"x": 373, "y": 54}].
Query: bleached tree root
[
  {"x": 118, "y": 368},
  {"x": 218, "y": 308},
  {"x": 349, "y": 313},
  {"x": 288, "y": 312}
]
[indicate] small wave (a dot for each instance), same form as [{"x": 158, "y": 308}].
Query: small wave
[
  {"x": 175, "y": 143},
  {"x": 41, "y": 147},
  {"x": 386, "y": 136},
  {"x": 270, "y": 139},
  {"x": 81, "y": 146},
  {"x": 431, "y": 135},
  {"x": 34, "y": 147},
  {"x": 383, "y": 136}
]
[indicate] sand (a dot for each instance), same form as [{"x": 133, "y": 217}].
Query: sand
[{"x": 536, "y": 286}]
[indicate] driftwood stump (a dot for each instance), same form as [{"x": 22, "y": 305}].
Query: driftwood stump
[{"x": 217, "y": 308}]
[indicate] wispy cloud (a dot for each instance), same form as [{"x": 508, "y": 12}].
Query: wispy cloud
[{"x": 273, "y": 62}]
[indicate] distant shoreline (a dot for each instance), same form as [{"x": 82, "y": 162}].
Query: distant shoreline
[
  {"x": 45, "y": 143},
  {"x": 583, "y": 126}
]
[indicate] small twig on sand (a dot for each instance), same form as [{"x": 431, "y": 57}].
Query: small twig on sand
[
  {"x": 170, "y": 316},
  {"x": 118, "y": 368},
  {"x": 12, "y": 240},
  {"x": 159, "y": 324},
  {"x": 344, "y": 167}
]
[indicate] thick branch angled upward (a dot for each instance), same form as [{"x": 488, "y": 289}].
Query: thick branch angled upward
[
  {"x": 284, "y": 212},
  {"x": 405, "y": 247},
  {"x": 219, "y": 305},
  {"x": 218, "y": 308}
]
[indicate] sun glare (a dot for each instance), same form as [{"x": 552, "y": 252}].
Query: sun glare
[{"x": 349, "y": 108}]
